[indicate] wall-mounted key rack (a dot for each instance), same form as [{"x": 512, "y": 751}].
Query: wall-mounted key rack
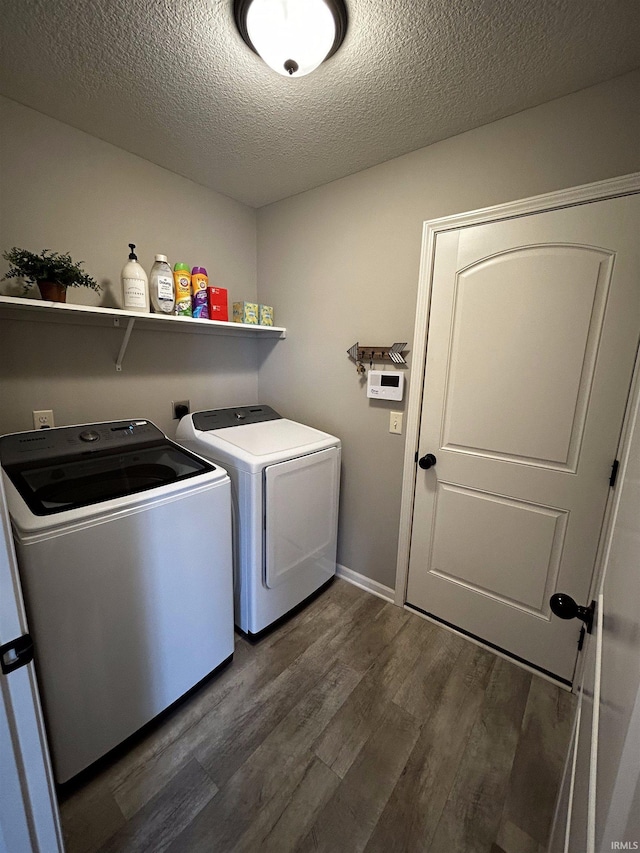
[{"x": 361, "y": 354}]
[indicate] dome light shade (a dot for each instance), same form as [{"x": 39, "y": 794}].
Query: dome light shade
[{"x": 292, "y": 36}]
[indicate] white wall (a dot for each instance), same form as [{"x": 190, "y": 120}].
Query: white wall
[
  {"x": 65, "y": 190},
  {"x": 340, "y": 265}
]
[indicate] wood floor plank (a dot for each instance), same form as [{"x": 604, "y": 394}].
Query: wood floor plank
[
  {"x": 539, "y": 760},
  {"x": 162, "y": 818},
  {"x": 280, "y": 826},
  {"x": 137, "y": 776},
  {"x": 411, "y": 815},
  {"x": 142, "y": 772},
  {"x": 363, "y": 711},
  {"x": 512, "y": 839},
  {"x": 366, "y": 641},
  {"x": 423, "y": 739},
  {"x": 348, "y": 819},
  {"x": 274, "y": 770},
  {"x": 89, "y": 817},
  {"x": 420, "y": 693},
  {"x": 344, "y": 593},
  {"x": 472, "y": 813},
  {"x": 244, "y": 726},
  {"x": 148, "y": 778}
]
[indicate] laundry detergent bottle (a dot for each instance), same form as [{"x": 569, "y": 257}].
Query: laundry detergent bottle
[
  {"x": 161, "y": 288},
  {"x": 135, "y": 286},
  {"x": 199, "y": 282},
  {"x": 182, "y": 281}
]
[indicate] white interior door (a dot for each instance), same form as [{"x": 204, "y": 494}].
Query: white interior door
[
  {"x": 29, "y": 820},
  {"x": 599, "y": 809},
  {"x": 533, "y": 331}
]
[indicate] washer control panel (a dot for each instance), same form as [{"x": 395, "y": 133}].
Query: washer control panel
[{"x": 60, "y": 442}]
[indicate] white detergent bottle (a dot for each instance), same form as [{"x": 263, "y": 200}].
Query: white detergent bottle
[
  {"x": 161, "y": 287},
  {"x": 135, "y": 286}
]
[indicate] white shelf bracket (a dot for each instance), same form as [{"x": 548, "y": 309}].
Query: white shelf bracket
[{"x": 125, "y": 341}]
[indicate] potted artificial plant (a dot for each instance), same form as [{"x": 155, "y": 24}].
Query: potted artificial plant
[{"x": 52, "y": 272}]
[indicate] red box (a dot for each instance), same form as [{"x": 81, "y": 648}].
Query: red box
[
  {"x": 217, "y": 303},
  {"x": 218, "y": 312}
]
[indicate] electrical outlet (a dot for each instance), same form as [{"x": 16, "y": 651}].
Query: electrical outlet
[
  {"x": 43, "y": 419},
  {"x": 180, "y": 408},
  {"x": 395, "y": 422}
]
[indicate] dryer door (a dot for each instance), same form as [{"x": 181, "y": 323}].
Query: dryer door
[{"x": 301, "y": 516}]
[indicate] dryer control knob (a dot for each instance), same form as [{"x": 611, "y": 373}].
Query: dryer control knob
[{"x": 89, "y": 435}]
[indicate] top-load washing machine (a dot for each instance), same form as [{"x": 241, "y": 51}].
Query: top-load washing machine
[
  {"x": 124, "y": 548},
  {"x": 285, "y": 483}
]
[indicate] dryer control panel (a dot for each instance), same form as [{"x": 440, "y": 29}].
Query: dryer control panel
[{"x": 235, "y": 416}]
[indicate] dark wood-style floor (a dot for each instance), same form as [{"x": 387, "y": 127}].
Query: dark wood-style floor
[{"x": 355, "y": 726}]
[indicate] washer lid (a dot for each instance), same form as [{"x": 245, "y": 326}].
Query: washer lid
[
  {"x": 62, "y": 485},
  {"x": 60, "y": 470}
]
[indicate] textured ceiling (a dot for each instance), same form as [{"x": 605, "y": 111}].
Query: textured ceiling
[{"x": 171, "y": 80}]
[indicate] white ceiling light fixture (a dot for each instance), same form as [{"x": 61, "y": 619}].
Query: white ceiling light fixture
[{"x": 292, "y": 36}]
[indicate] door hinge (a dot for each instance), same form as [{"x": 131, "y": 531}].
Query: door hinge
[
  {"x": 614, "y": 474},
  {"x": 17, "y": 653}
]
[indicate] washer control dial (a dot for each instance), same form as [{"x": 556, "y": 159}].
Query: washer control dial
[{"x": 89, "y": 435}]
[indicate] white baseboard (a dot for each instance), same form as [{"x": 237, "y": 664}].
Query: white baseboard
[{"x": 364, "y": 582}]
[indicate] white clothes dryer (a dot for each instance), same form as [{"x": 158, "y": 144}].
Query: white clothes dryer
[
  {"x": 124, "y": 548},
  {"x": 285, "y": 480}
]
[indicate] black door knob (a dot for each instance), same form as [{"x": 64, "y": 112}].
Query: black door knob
[
  {"x": 565, "y": 607},
  {"x": 427, "y": 461}
]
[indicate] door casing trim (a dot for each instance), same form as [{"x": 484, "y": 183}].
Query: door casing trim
[{"x": 584, "y": 194}]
